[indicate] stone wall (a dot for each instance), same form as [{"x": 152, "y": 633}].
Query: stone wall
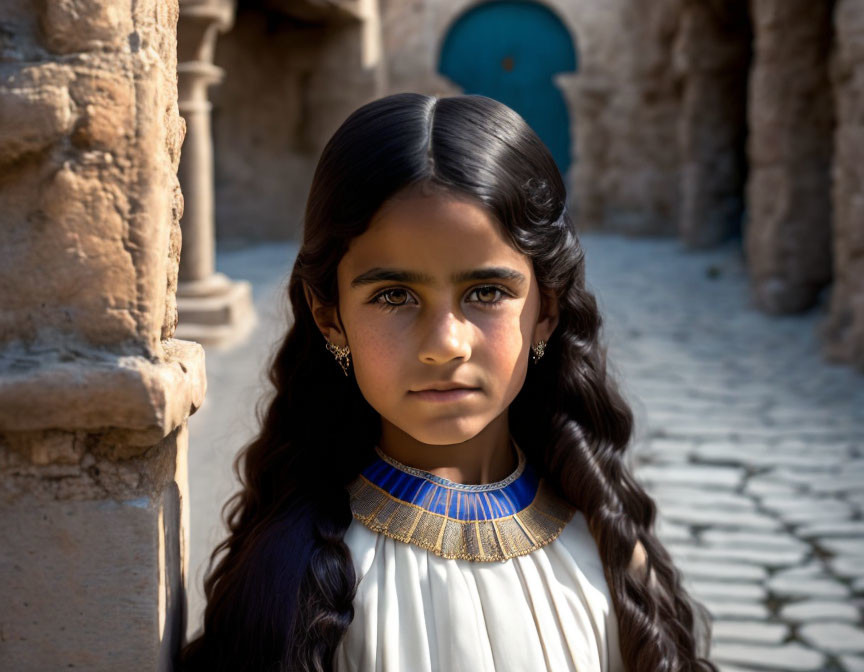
[
  {"x": 791, "y": 116},
  {"x": 844, "y": 330},
  {"x": 288, "y": 86},
  {"x": 712, "y": 58},
  {"x": 77, "y": 82},
  {"x": 630, "y": 183},
  {"x": 622, "y": 100},
  {"x": 94, "y": 392},
  {"x": 263, "y": 166}
]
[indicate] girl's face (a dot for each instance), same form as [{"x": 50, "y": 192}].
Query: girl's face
[{"x": 432, "y": 295}]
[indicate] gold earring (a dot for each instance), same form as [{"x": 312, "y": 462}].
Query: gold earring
[
  {"x": 538, "y": 350},
  {"x": 341, "y": 353}
]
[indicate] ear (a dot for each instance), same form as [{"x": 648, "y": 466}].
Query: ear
[
  {"x": 547, "y": 320},
  {"x": 326, "y": 318}
]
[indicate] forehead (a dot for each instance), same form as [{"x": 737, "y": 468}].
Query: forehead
[{"x": 436, "y": 233}]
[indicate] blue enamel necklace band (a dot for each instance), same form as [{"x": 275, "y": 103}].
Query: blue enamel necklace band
[{"x": 486, "y": 522}]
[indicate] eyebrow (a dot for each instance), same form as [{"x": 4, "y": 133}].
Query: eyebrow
[{"x": 379, "y": 274}]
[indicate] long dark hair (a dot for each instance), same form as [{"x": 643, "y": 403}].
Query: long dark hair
[{"x": 280, "y": 598}]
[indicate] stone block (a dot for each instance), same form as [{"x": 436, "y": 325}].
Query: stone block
[
  {"x": 127, "y": 395},
  {"x": 94, "y": 578},
  {"x": 32, "y": 118},
  {"x": 86, "y": 25},
  {"x": 788, "y": 657},
  {"x": 810, "y": 610},
  {"x": 107, "y": 120},
  {"x": 834, "y": 637},
  {"x": 756, "y": 632},
  {"x": 815, "y": 587}
]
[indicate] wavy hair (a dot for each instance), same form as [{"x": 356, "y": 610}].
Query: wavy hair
[{"x": 280, "y": 597}]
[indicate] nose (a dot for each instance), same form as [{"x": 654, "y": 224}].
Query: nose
[{"x": 445, "y": 338}]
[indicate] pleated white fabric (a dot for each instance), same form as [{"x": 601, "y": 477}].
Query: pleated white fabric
[{"x": 418, "y": 612}]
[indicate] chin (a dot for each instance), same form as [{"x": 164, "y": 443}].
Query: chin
[{"x": 447, "y": 431}]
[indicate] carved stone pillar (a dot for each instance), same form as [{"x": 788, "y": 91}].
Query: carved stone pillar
[
  {"x": 94, "y": 391},
  {"x": 213, "y": 309}
]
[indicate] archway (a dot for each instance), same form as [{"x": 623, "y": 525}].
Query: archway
[{"x": 509, "y": 50}]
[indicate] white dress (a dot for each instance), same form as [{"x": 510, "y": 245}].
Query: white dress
[{"x": 533, "y": 596}]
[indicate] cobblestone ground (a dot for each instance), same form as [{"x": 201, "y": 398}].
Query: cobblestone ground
[{"x": 751, "y": 444}]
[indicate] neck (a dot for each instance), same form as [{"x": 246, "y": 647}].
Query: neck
[{"x": 485, "y": 458}]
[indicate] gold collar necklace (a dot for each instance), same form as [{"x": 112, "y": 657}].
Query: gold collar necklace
[{"x": 477, "y": 522}]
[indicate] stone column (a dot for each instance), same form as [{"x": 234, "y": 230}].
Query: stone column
[
  {"x": 788, "y": 230},
  {"x": 712, "y": 58},
  {"x": 844, "y": 330},
  {"x": 94, "y": 391},
  {"x": 214, "y": 310}
]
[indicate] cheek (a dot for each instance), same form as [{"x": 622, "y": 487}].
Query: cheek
[
  {"x": 516, "y": 336},
  {"x": 504, "y": 354},
  {"x": 506, "y": 335},
  {"x": 375, "y": 353}
]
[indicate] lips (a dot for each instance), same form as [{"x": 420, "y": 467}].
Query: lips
[
  {"x": 443, "y": 392},
  {"x": 445, "y": 387}
]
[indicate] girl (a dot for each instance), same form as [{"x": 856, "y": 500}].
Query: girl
[{"x": 439, "y": 481}]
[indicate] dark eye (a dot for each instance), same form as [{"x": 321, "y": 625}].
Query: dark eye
[
  {"x": 489, "y": 294},
  {"x": 388, "y": 295}
]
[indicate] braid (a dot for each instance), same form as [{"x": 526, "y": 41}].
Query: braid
[
  {"x": 326, "y": 595},
  {"x": 589, "y": 427},
  {"x": 280, "y": 599}
]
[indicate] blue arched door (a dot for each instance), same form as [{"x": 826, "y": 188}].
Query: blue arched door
[{"x": 509, "y": 50}]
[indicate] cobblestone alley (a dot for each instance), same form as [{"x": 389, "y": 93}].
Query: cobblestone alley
[{"x": 752, "y": 445}]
